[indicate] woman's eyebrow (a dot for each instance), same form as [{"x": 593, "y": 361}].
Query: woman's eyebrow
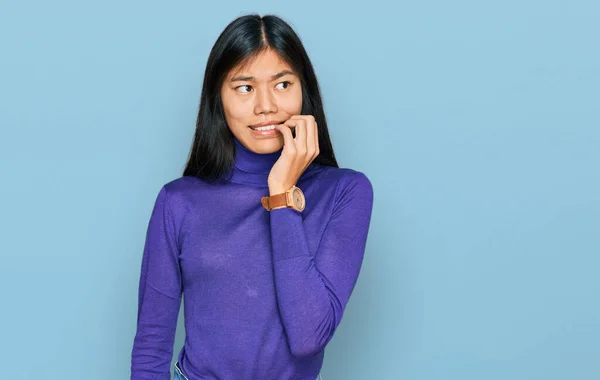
[{"x": 251, "y": 79}]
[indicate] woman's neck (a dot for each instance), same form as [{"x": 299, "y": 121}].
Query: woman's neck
[
  {"x": 250, "y": 167},
  {"x": 253, "y": 168}
]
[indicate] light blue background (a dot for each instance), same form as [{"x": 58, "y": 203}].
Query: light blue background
[{"x": 477, "y": 122}]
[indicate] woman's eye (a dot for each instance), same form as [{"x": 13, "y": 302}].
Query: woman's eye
[
  {"x": 288, "y": 84},
  {"x": 246, "y": 88},
  {"x": 244, "y": 92}
]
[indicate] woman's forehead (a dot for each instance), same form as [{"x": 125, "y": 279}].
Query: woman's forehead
[{"x": 261, "y": 67}]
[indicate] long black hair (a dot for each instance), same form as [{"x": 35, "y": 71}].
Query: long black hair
[{"x": 213, "y": 150}]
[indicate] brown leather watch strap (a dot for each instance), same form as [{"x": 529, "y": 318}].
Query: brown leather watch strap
[{"x": 273, "y": 201}]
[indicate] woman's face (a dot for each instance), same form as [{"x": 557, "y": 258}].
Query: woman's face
[{"x": 264, "y": 90}]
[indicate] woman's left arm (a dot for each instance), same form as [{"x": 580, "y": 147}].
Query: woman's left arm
[{"x": 313, "y": 290}]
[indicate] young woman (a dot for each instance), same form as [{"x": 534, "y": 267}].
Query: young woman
[{"x": 264, "y": 235}]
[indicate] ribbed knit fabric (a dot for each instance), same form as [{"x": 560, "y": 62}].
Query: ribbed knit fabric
[{"x": 264, "y": 291}]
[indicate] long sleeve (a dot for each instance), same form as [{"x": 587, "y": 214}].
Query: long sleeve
[
  {"x": 159, "y": 296},
  {"x": 313, "y": 290}
]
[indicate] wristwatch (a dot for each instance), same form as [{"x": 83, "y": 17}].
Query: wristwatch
[{"x": 293, "y": 198}]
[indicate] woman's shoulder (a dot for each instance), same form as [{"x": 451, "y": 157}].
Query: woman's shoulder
[
  {"x": 181, "y": 187},
  {"x": 344, "y": 179},
  {"x": 180, "y": 193},
  {"x": 184, "y": 184},
  {"x": 342, "y": 175}
]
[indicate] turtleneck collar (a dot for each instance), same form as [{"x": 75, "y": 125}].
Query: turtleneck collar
[
  {"x": 250, "y": 167},
  {"x": 253, "y": 168},
  {"x": 252, "y": 162}
]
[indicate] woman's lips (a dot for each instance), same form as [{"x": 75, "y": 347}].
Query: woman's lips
[
  {"x": 266, "y": 123},
  {"x": 268, "y": 132}
]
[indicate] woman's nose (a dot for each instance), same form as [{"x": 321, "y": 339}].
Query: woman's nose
[{"x": 265, "y": 102}]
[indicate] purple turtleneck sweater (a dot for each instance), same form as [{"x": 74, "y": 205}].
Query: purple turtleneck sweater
[{"x": 264, "y": 291}]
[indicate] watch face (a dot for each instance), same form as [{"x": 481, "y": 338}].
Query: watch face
[{"x": 298, "y": 198}]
